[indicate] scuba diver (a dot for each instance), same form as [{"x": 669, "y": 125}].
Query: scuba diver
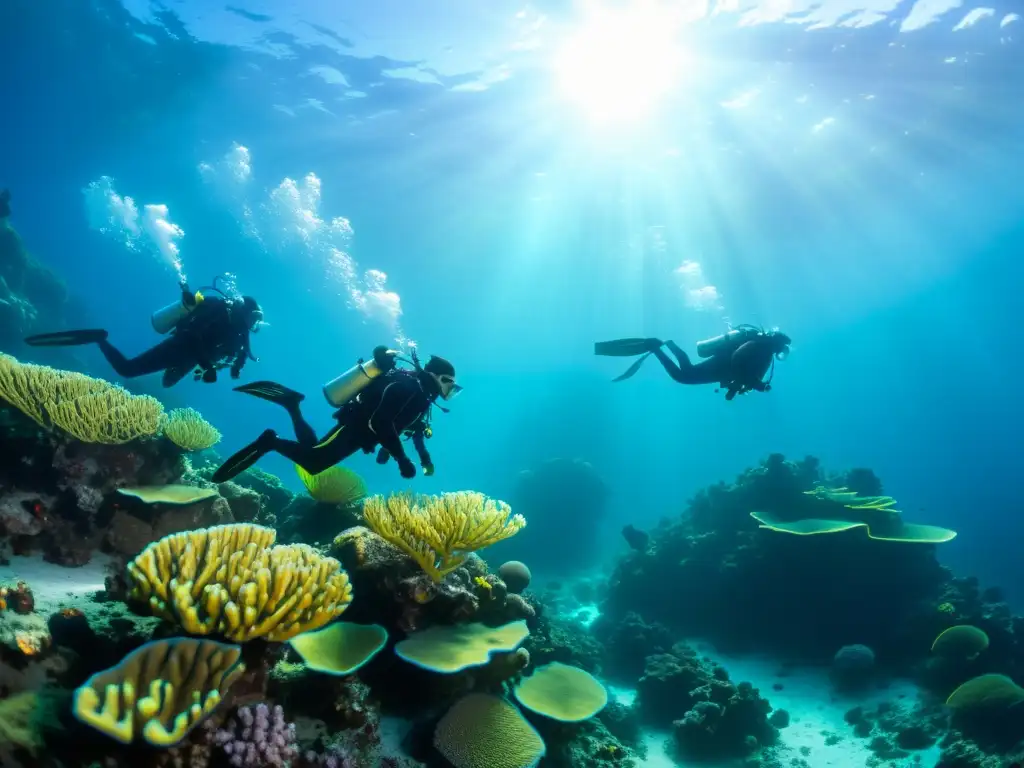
[
  {"x": 378, "y": 403},
  {"x": 207, "y": 333},
  {"x": 737, "y": 361},
  {"x": 5, "y": 204}
]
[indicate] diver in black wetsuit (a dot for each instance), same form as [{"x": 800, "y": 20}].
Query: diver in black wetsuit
[
  {"x": 737, "y": 361},
  {"x": 5, "y": 204},
  {"x": 207, "y": 333},
  {"x": 391, "y": 402}
]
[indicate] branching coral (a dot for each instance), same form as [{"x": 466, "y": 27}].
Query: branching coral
[
  {"x": 160, "y": 691},
  {"x": 91, "y": 410},
  {"x": 439, "y": 532},
  {"x": 258, "y": 737},
  {"x": 188, "y": 430},
  {"x": 231, "y": 580}
]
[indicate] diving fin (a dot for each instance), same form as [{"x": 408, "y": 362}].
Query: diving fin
[
  {"x": 67, "y": 338},
  {"x": 275, "y": 393},
  {"x": 245, "y": 458},
  {"x": 625, "y": 347},
  {"x": 631, "y": 371}
]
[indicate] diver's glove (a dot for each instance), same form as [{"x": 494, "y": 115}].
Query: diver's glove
[
  {"x": 383, "y": 455},
  {"x": 383, "y": 360},
  {"x": 428, "y": 470},
  {"x": 210, "y": 375},
  {"x": 407, "y": 468}
]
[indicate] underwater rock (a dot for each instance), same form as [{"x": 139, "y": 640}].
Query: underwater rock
[
  {"x": 246, "y": 504},
  {"x": 555, "y": 639},
  {"x": 731, "y": 722},
  {"x": 801, "y": 595},
  {"x": 589, "y": 744},
  {"x": 307, "y": 521},
  {"x": 852, "y": 667},
  {"x": 629, "y": 643},
  {"x": 135, "y": 525}
]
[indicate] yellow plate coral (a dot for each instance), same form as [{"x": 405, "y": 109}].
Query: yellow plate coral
[
  {"x": 561, "y": 692},
  {"x": 341, "y": 648},
  {"x": 448, "y": 649}
]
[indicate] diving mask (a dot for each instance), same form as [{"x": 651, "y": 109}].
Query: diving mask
[{"x": 447, "y": 386}]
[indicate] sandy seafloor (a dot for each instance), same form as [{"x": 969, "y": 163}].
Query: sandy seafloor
[{"x": 816, "y": 712}]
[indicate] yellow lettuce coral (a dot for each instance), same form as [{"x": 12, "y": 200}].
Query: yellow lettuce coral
[
  {"x": 440, "y": 532},
  {"x": 160, "y": 691},
  {"x": 336, "y": 485},
  {"x": 232, "y": 580}
]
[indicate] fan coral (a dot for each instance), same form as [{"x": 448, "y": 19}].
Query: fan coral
[
  {"x": 91, "y": 410},
  {"x": 439, "y": 532}
]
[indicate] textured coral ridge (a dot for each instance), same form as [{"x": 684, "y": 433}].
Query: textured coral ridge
[
  {"x": 231, "y": 580},
  {"x": 161, "y": 691}
]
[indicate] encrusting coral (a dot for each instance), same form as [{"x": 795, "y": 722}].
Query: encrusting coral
[
  {"x": 231, "y": 580},
  {"x": 91, "y": 410},
  {"x": 160, "y": 691},
  {"x": 187, "y": 429},
  {"x": 439, "y": 532}
]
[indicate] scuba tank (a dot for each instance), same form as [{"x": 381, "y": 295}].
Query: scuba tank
[
  {"x": 342, "y": 389},
  {"x": 166, "y": 318},
  {"x": 735, "y": 337}
]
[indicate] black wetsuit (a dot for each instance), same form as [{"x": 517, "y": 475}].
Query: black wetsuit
[
  {"x": 395, "y": 404},
  {"x": 738, "y": 369},
  {"x": 212, "y": 334}
]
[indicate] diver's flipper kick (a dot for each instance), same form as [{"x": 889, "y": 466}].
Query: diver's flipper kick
[
  {"x": 67, "y": 338},
  {"x": 377, "y": 403},
  {"x": 737, "y": 361},
  {"x": 206, "y": 333},
  {"x": 625, "y": 347},
  {"x": 272, "y": 391}
]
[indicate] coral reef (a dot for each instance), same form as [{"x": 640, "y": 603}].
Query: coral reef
[
  {"x": 711, "y": 717},
  {"x": 798, "y": 595}
]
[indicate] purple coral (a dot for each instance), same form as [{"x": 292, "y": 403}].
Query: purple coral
[
  {"x": 335, "y": 757},
  {"x": 258, "y": 737}
]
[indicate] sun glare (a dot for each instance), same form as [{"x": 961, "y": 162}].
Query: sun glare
[{"x": 621, "y": 62}]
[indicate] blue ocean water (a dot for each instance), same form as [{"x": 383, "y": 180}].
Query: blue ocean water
[{"x": 523, "y": 179}]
